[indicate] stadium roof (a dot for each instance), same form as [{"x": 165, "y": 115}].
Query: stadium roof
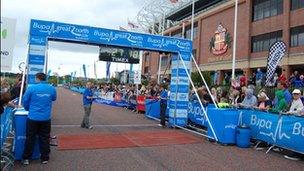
[
  {"x": 187, "y": 10},
  {"x": 157, "y": 15}
]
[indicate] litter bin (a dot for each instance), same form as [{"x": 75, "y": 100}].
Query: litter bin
[{"x": 243, "y": 136}]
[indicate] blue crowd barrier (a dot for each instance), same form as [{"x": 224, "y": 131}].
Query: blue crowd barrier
[
  {"x": 7, "y": 130},
  {"x": 195, "y": 113},
  {"x": 78, "y": 89},
  {"x": 6, "y": 124},
  {"x": 284, "y": 131},
  {"x": 121, "y": 103},
  {"x": 152, "y": 108},
  {"x": 224, "y": 122}
]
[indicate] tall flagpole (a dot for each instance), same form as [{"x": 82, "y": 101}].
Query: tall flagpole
[
  {"x": 234, "y": 38},
  {"x": 160, "y": 56},
  {"x": 192, "y": 20}
]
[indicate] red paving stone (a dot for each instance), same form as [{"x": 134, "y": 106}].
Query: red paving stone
[
  {"x": 93, "y": 141},
  {"x": 124, "y": 140},
  {"x": 200, "y": 156}
]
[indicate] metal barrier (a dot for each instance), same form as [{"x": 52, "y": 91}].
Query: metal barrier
[{"x": 7, "y": 137}]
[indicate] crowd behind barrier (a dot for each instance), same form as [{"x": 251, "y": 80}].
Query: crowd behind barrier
[{"x": 123, "y": 95}]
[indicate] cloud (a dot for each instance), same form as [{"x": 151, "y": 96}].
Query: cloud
[{"x": 98, "y": 13}]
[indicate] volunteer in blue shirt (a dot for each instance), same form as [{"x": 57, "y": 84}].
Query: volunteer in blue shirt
[
  {"x": 163, "y": 105},
  {"x": 87, "y": 104},
  {"x": 38, "y": 100}
]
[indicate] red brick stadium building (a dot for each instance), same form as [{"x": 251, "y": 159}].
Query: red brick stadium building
[{"x": 260, "y": 23}]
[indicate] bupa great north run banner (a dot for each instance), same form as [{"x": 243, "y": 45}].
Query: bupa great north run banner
[
  {"x": 281, "y": 130},
  {"x": 49, "y": 29}
]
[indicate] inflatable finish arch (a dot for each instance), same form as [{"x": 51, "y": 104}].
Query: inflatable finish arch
[{"x": 42, "y": 31}]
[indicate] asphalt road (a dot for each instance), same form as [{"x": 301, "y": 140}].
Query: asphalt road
[{"x": 67, "y": 116}]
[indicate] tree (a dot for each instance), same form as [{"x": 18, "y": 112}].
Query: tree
[
  {"x": 198, "y": 81},
  {"x": 115, "y": 81},
  {"x": 52, "y": 80}
]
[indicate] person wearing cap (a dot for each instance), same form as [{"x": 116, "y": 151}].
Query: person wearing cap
[{"x": 296, "y": 104}]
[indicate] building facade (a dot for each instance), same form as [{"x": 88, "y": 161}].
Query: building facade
[{"x": 260, "y": 24}]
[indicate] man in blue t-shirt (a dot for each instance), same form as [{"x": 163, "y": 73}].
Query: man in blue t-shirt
[
  {"x": 38, "y": 100},
  {"x": 87, "y": 104}
]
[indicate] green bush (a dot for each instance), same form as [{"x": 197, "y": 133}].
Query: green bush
[{"x": 198, "y": 81}]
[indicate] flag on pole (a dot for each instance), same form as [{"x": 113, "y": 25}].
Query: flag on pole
[
  {"x": 84, "y": 71},
  {"x": 108, "y": 65},
  {"x": 276, "y": 53}
]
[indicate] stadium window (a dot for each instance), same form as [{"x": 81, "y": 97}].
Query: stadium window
[
  {"x": 263, "y": 42},
  {"x": 297, "y": 36},
  {"x": 297, "y": 4},
  {"x": 266, "y": 8}
]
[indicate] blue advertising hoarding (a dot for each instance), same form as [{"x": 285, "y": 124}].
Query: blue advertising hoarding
[{"x": 281, "y": 130}]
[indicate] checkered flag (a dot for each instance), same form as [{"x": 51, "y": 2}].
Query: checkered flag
[{"x": 276, "y": 53}]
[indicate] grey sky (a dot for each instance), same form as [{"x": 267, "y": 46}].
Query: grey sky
[{"x": 99, "y": 13}]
